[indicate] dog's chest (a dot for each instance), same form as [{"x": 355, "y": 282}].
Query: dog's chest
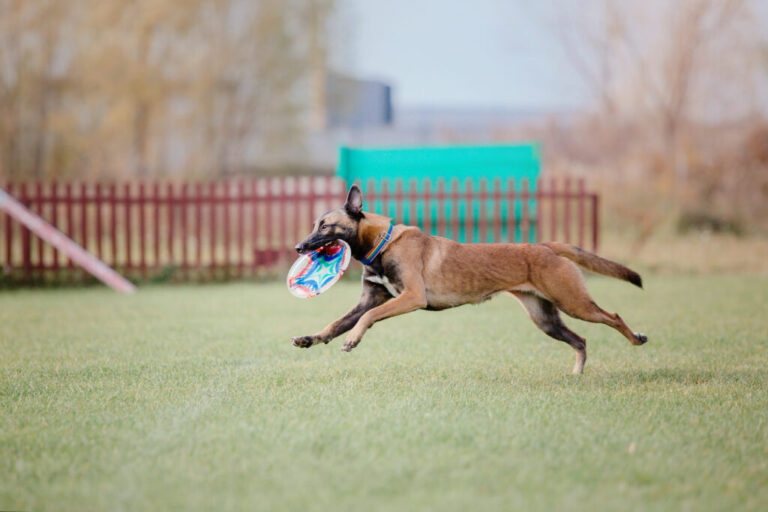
[{"x": 385, "y": 282}]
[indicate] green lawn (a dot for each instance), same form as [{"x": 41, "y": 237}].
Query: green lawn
[{"x": 192, "y": 397}]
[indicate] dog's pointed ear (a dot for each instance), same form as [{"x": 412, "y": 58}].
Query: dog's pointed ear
[{"x": 354, "y": 204}]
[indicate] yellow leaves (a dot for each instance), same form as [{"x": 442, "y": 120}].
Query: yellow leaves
[{"x": 147, "y": 77}]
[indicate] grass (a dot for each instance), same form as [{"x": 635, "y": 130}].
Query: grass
[{"x": 192, "y": 398}]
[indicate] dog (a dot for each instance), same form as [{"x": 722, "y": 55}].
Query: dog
[{"x": 405, "y": 269}]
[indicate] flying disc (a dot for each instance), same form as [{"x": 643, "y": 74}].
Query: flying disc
[{"x": 315, "y": 272}]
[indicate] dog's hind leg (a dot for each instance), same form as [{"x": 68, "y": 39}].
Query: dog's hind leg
[
  {"x": 547, "y": 318},
  {"x": 570, "y": 294}
]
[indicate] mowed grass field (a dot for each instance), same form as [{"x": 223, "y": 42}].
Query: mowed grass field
[{"x": 192, "y": 397}]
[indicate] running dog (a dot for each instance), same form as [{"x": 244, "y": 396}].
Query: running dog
[{"x": 405, "y": 269}]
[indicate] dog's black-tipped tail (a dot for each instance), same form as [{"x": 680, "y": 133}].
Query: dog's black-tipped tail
[
  {"x": 634, "y": 278},
  {"x": 595, "y": 263}
]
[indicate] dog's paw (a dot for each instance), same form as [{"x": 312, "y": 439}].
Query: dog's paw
[
  {"x": 303, "y": 341},
  {"x": 349, "y": 345},
  {"x": 641, "y": 338}
]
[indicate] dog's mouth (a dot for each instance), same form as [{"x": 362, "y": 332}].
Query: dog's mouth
[{"x": 304, "y": 249}]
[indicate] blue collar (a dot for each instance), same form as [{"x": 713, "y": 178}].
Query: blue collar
[{"x": 378, "y": 246}]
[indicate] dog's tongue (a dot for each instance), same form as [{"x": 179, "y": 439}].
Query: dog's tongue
[{"x": 331, "y": 247}]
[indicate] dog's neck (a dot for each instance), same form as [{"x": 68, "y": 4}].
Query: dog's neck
[{"x": 369, "y": 231}]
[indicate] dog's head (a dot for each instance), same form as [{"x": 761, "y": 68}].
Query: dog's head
[{"x": 340, "y": 224}]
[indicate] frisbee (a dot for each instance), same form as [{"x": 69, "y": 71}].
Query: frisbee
[{"x": 315, "y": 272}]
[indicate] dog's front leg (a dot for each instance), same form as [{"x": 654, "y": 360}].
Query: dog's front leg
[
  {"x": 372, "y": 296},
  {"x": 405, "y": 303}
]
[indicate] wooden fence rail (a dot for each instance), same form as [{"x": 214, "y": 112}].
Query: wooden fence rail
[{"x": 247, "y": 227}]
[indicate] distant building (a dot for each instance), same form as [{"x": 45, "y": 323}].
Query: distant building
[{"x": 355, "y": 103}]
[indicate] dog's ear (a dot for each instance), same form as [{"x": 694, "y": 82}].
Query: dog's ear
[{"x": 354, "y": 204}]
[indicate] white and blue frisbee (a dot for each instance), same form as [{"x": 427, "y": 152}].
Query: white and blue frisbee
[{"x": 315, "y": 272}]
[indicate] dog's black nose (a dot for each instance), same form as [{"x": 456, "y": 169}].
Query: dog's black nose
[{"x": 298, "y": 247}]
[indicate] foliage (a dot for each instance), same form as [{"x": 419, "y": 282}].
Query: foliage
[
  {"x": 678, "y": 91},
  {"x": 150, "y": 87}
]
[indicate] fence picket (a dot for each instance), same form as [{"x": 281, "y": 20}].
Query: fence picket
[
  {"x": 567, "y": 208},
  {"x": 212, "y": 224},
  {"x": 142, "y": 230},
  {"x": 156, "y": 224},
  {"x": 525, "y": 229},
  {"x": 54, "y": 219},
  {"x": 70, "y": 221},
  {"x": 113, "y": 222},
  {"x": 496, "y": 211},
  {"x": 580, "y": 211},
  {"x": 98, "y": 202},
  {"x": 38, "y": 207},
  {"x": 427, "y": 207}
]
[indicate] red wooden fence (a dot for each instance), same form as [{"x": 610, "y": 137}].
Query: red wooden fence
[{"x": 248, "y": 227}]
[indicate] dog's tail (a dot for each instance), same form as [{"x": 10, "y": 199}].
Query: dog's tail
[{"x": 595, "y": 263}]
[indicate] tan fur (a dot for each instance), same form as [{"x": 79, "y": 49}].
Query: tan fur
[{"x": 430, "y": 272}]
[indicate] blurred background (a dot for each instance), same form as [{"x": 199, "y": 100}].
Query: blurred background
[{"x": 662, "y": 105}]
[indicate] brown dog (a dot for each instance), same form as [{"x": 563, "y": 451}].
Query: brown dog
[{"x": 405, "y": 270}]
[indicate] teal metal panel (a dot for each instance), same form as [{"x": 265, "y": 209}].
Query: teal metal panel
[{"x": 370, "y": 166}]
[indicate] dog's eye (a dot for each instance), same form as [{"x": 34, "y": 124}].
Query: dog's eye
[{"x": 324, "y": 227}]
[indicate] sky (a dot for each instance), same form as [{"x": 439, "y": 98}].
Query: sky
[{"x": 479, "y": 53}]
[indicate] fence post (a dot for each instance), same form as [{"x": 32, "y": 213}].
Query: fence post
[
  {"x": 427, "y": 207},
  {"x": 442, "y": 229},
  {"x": 269, "y": 204},
  {"x": 25, "y": 235},
  {"x": 580, "y": 211},
  {"x": 385, "y": 198},
  {"x": 199, "y": 224},
  {"x": 282, "y": 201},
  {"x": 553, "y": 209},
  {"x": 311, "y": 197},
  {"x": 142, "y": 230},
  {"x": 70, "y": 221},
  {"x": 156, "y": 225},
  {"x": 496, "y": 194},
  {"x": 482, "y": 220},
  {"x": 537, "y": 222},
  {"x": 567, "y": 206},
  {"x": 8, "y": 232},
  {"x": 595, "y": 221},
  {"x": 511, "y": 211},
  {"x": 38, "y": 200},
  {"x": 413, "y": 211},
  {"x": 84, "y": 215},
  {"x": 113, "y": 222},
  {"x": 241, "y": 226},
  {"x": 212, "y": 224},
  {"x": 55, "y": 219},
  {"x": 525, "y": 232},
  {"x": 255, "y": 224},
  {"x": 128, "y": 199},
  {"x": 184, "y": 205},
  {"x": 97, "y": 199}
]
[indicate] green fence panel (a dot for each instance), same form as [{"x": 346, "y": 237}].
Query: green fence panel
[{"x": 461, "y": 165}]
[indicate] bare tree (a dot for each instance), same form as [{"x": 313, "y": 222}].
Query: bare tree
[{"x": 150, "y": 87}]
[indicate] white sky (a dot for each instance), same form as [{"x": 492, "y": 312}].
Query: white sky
[
  {"x": 465, "y": 53},
  {"x": 459, "y": 53}
]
